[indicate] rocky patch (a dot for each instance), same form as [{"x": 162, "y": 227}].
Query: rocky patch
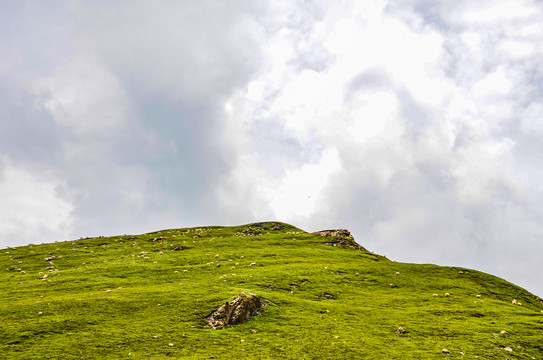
[{"x": 340, "y": 237}]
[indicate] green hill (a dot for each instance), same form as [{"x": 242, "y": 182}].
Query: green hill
[{"x": 147, "y": 296}]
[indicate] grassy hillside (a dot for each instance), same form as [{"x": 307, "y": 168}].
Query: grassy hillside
[{"x": 146, "y": 296}]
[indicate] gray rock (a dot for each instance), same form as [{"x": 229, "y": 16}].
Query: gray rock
[{"x": 236, "y": 311}]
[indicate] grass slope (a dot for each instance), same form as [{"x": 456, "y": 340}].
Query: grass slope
[{"x": 134, "y": 297}]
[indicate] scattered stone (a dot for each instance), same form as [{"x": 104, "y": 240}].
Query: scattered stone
[
  {"x": 327, "y": 296},
  {"x": 236, "y": 311},
  {"x": 157, "y": 239},
  {"x": 508, "y": 349}
]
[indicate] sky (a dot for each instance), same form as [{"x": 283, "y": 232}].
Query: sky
[{"x": 415, "y": 124}]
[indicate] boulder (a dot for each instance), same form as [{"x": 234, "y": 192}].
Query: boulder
[{"x": 236, "y": 311}]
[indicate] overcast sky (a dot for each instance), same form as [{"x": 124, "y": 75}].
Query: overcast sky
[{"x": 417, "y": 125}]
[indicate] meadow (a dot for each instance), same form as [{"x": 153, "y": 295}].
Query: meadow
[{"x": 146, "y": 297}]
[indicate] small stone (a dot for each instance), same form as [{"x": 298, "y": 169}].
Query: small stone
[
  {"x": 328, "y": 296},
  {"x": 445, "y": 351},
  {"x": 508, "y": 349},
  {"x": 170, "y": 344},
  {"x": 504, "y": 333}
]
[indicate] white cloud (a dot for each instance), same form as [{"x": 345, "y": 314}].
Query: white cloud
[
  {"x": 32, "y": 209},
  {"x": 493, "y": 83},
  {"x": 299, "y": 194},
  {"x": 84, "y": 97}
]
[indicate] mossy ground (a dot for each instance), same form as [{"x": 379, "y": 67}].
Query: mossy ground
[{"x": 134, "y": 296}]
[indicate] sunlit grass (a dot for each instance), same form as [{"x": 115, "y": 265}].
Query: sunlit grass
[{"x": 131, "y": 297}]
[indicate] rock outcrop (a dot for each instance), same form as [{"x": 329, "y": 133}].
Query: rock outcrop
[
  {"x": 237, "y": 311},
  {"x": 340, "y": 237}
]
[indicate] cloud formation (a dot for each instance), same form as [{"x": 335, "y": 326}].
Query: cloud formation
[{"x": 413, "y": 124}]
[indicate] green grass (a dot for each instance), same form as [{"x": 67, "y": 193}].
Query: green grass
[{"x": 130, "y": 297}]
